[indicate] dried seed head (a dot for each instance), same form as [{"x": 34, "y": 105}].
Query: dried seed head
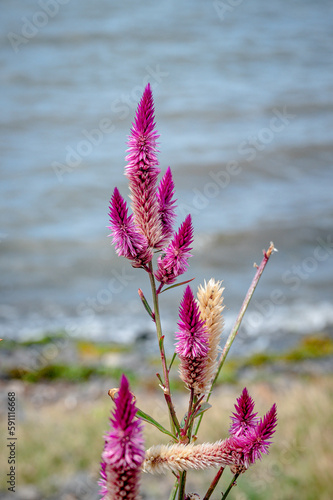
[{"x": 210, "y": 302}]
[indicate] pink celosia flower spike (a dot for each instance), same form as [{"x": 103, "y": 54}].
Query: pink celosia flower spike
[
  {"x": 173, "y": 262},
  {"x": 124, "y": 451},
  {"x": 165, "y": 193},
  {"x": 126, "y": 237},
  {"x": 237, "y": 452},
  {"x": 243, "y": 419},
  {"x": 259, "y": 438},
  {"x": 192, "y": 346},
  {"x": 142, "y": 170},
  {"x": 103, "y": 491}
]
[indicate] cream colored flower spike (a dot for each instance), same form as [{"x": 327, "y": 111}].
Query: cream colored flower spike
[
  {"x": 210, "y": 301},
  {"x": 178, "y": 457}
]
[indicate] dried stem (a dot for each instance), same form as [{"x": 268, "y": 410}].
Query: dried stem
[
  {"x": 239, "y": 319},
  {"x": 245, "y": 304}
]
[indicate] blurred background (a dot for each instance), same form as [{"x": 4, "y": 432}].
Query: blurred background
[
  {"x": 243, "y": 92},
  {"x": 244, "y": 96}
]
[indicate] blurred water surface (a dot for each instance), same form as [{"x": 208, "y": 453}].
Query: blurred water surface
[{"x": 244, "y": 101}]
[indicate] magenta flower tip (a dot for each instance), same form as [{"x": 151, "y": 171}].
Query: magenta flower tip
[
  {"x": 165, "y": 194},
  {"x": 244, "y": 419},
  {"x": 144, "y": 120},
  {"x": 260, "y": 436},
  {"x": 192, "y": 335},
  {"x": 174, "y": 262},
  {"x": 102, "y": 483},
  {"x": 142, "y": 171},
  {"x": 267, "y": 425},
  {"x": 124, "y": 443},
  {"x": 250, "y": 437},
  {"x": 124, "y": 450},
  {"x": 142, "y": 141},
  {"x": 129, "y": 242}
]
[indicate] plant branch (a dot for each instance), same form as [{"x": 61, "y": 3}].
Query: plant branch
[
  {"x": 166, "y": 389},
  {"x": 239, "y": 319},
  {"x": 233, "y": 483},
  {"x": 182, "y": 482},
  {"x": 245, "y": 304},
  {"x": 189, "y": 413},
  {"x": 174, "y": 490},
  {"x": 213, "y": 484}
]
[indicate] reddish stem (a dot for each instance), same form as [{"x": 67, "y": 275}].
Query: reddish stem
[{"x": 213, "y": 484}]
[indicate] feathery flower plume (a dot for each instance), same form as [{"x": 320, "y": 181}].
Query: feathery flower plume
[
  {"x": 173, "y": 262},
  {"x": 128, "y": 241},
  {"x": 165, "y": 193},
  {"x": 180, "y": 457},
  {"x": 237, "y": 452},
  {"x": 192, "y": 345},
  {"x": 123, "y": 451},
  {"x": 142, "y": 170},
  {"x": 243, "y": 419},
  {"x": 210, "y": 302}
]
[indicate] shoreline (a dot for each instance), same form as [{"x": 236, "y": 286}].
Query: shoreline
[{"x": 58, "y": 357}]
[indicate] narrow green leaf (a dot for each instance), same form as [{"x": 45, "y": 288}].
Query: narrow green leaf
[
  {"x": 152, "y": 421},
  {"x": 160, "y": 379},
  {"x": 177, "y": 284},
  {"x": 182, "y": 423},
  {"x": 174, "y": 490},
  {"x": 161, "y": 341},
  {"x": 202, "y": 408},
  {"x": 145, "y": 304},
  {"x": 171, "y": 362}
]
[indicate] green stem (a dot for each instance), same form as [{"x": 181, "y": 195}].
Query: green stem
[
  {"x": 233, "y": 483},
  {"x": 190, "y": 427},
  {"x": 213, "y": 484},
  {"x": 238, "y": 321},
  {"x": 189, "y": 413},
  {"x": 167, "y": 394},
  {"x": 174, "y": 490},
  {"x": 182, "y": 482}
]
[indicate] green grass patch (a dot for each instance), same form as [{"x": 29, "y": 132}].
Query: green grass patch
[
  {"x": 89, "y": 353},
  {"x": 314, "y": 346},
  {"x": 96, "y": 350},
  {"x": 71, "y": 373},
  {"x": 48, "y": 338}
]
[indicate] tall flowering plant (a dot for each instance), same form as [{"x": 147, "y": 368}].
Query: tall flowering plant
[{"x": 137, "y": 236}]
